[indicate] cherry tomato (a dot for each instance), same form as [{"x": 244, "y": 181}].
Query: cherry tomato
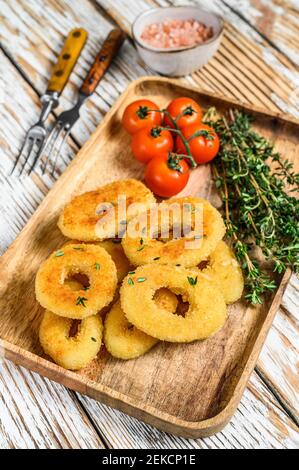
[
  {"x": 166, "y": 175},
  {"x": 204, "y": 147},
  {"x": 150, "y": 142},
  {"x": 192, "y": 112},
  {"x": 137, "y": 115}
]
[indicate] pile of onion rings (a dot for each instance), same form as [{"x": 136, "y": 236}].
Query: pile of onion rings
[{"x": 163, "y": 286}]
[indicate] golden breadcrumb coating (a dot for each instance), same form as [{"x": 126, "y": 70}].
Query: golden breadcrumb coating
[
  {"x": 58, "y": 297},
  {"x": 186, "y": 251},
  {"x": 84, "y": 216},
  {"x": 125, "y": 341},
  {"x": 71, "y": 352},
  {"x": 205, "y": 316}
]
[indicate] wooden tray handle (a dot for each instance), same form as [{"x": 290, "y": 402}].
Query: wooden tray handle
[
  {"x": 102, "y": 61},
  {"x": 67, "y": 59}
]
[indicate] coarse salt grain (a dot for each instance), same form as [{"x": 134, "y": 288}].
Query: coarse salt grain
[{"x": 176, "y": 33}]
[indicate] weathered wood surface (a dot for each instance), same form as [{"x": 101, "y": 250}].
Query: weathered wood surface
[
  {"x": 247, "y": 67},
  {"x": 36, "y": 413},
  {"x": 259, "y": 423}
]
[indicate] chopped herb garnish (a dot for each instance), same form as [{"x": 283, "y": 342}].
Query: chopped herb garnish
[
  {"x": 79, "y": 248},
  {"x": 131, "y": 272},
  {"x": 141, "y": 248},
  {"x": 93, "y": 339},
  {"x": 81, "y": 301},
  {"x": 141, "y": 241},
  {"x": 192, "y": 280},
  {"x": 85, "y": 288},
  {"x": 141, "y": 279},
  {"x": 157, "y": 257},
  {"x": 130, "y": 281},
  {"x": 97, "y": 266},
  {"x": 59, "y": 253}
]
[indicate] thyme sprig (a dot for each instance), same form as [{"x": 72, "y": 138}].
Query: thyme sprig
[{"x": 253, "y": 181}]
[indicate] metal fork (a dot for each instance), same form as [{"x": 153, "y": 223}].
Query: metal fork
[
  {"x": 66, "y": 61},
  {"x": 67, "y": 119}
]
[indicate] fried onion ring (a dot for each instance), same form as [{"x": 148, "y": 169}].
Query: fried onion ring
[
  {"x": 186, "y": 251},
  {"x": 58, "y": 297},
  {"x": 122, "y": 339},
  {"x": 225, "y": 270},
  {"x": 115, "y": 250},
  {"x": 81, "y": 217},
  {"x": 207, "y": 308},
  {"x": 71, "y": 352}
]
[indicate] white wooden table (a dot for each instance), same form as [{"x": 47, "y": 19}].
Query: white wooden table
[{"x": 258, "y": 63}]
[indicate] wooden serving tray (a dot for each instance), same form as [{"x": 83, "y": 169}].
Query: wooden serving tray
[{"x": 187, "y": 389}]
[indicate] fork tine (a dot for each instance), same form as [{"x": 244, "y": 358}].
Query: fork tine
[
  {"x": 20, "y": 154},
  {"x": 59, "y": 149},
  {"x": 38, "y": 153},
  {"x": 31, "y": 141},
  {"x": 50, "y": 142}
]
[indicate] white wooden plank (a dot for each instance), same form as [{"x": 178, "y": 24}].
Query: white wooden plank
[
  {"x": 259, "y": 423},
  {"x": 279, "y": 356},
  {"x": 277, "y": 20},
  {"x": 19, "y": 197},
  {"x": 36, "y": 413}
]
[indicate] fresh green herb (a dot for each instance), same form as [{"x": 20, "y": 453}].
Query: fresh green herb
[
  {"x": 259, "y": 213},
  {"x": 59, "y": 253},
  {"x": 192, "y": 280},
  {"x": 93, "y": 339},
  {"x": 79, "y": 248},
  {"x": 141, "y": 279},
  {"x": 131, "y": 272},
  {"x": 81, "y": 301},
  {"x": 86, "y": 288},
  {"x": 130, "y": 281},
  {"x": 155, "y": 259},
  {"x": 97, "y": 266},
  {"x": 141, "y": 248}
]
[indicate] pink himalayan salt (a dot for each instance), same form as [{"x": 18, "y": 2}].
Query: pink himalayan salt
[{"x": 176, "y": 33}]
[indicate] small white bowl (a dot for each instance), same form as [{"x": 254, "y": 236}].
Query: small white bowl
[{"x": 180, "y": 61}]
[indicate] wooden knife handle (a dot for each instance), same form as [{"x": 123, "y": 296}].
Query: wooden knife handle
[
  {"x": 67, "y": 59},
  {"x": 102, "y": 61}
]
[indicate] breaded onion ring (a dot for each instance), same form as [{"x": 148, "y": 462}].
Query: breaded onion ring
[
  {"x": 89, "y": 260},
  {"x": 122, "y": 339},
  {"x": 81, "y": 217},
  {"x": 186, "y": 251},
  {"x": 224, "y": 269},
  {"x": 115, "y": 250},
  {"x": 70, "y": 352},
  {"x": 206, "y": 313}
]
